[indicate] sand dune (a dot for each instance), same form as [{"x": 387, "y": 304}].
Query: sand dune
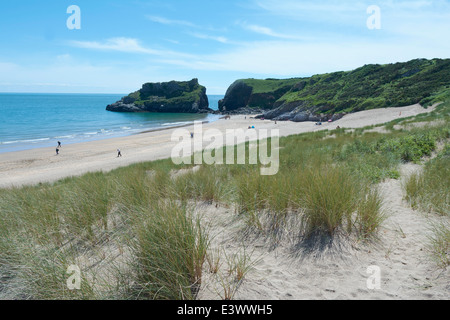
[
  {"x": 288, "y": 268},
  {"x": 292, "y": 269}
]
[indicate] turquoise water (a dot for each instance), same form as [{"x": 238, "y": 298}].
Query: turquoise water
[{"x": 30, "y": 121}]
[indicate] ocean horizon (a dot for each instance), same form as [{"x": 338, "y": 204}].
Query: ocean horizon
[{"x": 36, "y": 120}]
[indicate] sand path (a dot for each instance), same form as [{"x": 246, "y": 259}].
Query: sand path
[{"x": 294, "y": 270}]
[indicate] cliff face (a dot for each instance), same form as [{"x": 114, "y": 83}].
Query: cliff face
[
  {"x": 332, "y": 95},
  {"x": 254, "y": 95},
  {"x": 170, "y": 97}
]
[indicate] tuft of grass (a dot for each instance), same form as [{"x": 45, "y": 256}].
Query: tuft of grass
[
  {"x": 208, "y": 184},
  {"x": 369, "y": 213},
  {"x": 330, "y": 198},
  {"x": 170, "y": 249},
  {"x": 213, "y": 260},
  {"x": 84, "y": 205},
  {"x": 44, "y": 275},
  {"x": 413, "y": 188},
  {"x": 439, "y": 244},
  {"x": 239, "y": 264},
  {"x": 430, "y": 190}
]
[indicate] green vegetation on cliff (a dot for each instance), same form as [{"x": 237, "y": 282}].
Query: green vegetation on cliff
[
  {"x": 270, "y": 85},
  {"x": 173, "y": 96},
  {"x": 371, "y": 86},
  {"x": 169, "y": 91}
]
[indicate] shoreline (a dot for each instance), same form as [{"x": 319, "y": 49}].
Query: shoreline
[
  {"x": 168, "y": 128},
  {"x": 42, "y": 165},
  {"x": 110, "y": 138},
  {"x": 92, "y": 138}
]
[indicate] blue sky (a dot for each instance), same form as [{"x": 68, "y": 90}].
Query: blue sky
[{"x": 123, "y": 44}]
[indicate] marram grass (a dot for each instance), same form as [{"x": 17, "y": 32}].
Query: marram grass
[{"x": 144, "y": 213}]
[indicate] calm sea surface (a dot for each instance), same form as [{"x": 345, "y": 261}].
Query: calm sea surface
[{"x": 31, "y": 120}]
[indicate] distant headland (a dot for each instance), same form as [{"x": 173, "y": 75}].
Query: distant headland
[
  {"x": 168, "y": 97},
  {"x": 332, "y": 95}
]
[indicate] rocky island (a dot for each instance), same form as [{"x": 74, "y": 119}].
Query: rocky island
[
  {"x": 330, "y": 96},
  {"x": 170, "y": 97}
]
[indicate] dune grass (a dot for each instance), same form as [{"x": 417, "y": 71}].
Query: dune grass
[
  {"x": 327, "y": 179},
  {"x": 370, "y": 214},
  {"x": 170, "y": 249},
  {"x": 330, "y": 197},
  {"x": 430, "y": 189},
  {"x": 439, "y": 244}
]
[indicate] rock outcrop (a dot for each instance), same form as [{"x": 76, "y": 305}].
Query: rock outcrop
[
  {"x": 170, "y": 97},
  {"x": 298, "y": 112},
  {"x": 244, "y": 96}
]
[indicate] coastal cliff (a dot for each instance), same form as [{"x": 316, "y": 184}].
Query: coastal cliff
[
  {"x": 170, "y": 97},
  {"x": 332, "y": 95}
]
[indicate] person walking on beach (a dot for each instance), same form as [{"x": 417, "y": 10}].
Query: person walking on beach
[
  {"x": 119, "y": 154},
  {"x": 59, "y": 144},
  {"x": 57, "y": 151}
]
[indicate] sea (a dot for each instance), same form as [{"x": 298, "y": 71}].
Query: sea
[{"x": 35, "y": 120}]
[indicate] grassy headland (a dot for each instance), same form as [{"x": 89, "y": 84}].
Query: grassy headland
[
  {"x": 371, "y": 86},
  {"x": 173, "y": 96}
]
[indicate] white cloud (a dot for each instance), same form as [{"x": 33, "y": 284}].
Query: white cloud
[
  {"x": 209, "y": 37},
  {"x": 295, "y": 7},
  {"x": 289, "y": 58},
  {"x": 302, "y": 38},
  {"x": 166, "y": 21},
  {"x": 268, "y": 32},
  {"x": 127, "y": 45},
  {"x": 331, "y": 13},
  {"x": 328, "y": 8},
  {"x": 8, "y": 67},
  {"x": 407, "y": 5},
  {"x": 75, "y": 75},
  {"x": 172, "y": 41},
  {"x": 308, "y": 10},
  {"x": 116, "y": 44}
]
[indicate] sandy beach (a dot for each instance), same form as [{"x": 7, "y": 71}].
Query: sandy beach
[{"x": 43, "y": 165}]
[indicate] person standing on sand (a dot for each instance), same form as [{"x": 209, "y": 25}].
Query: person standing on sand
[
  {"x": 59, "y": 144},
  {"x": 119, "y": 154},
  {"x": 57, "y": 151}
]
